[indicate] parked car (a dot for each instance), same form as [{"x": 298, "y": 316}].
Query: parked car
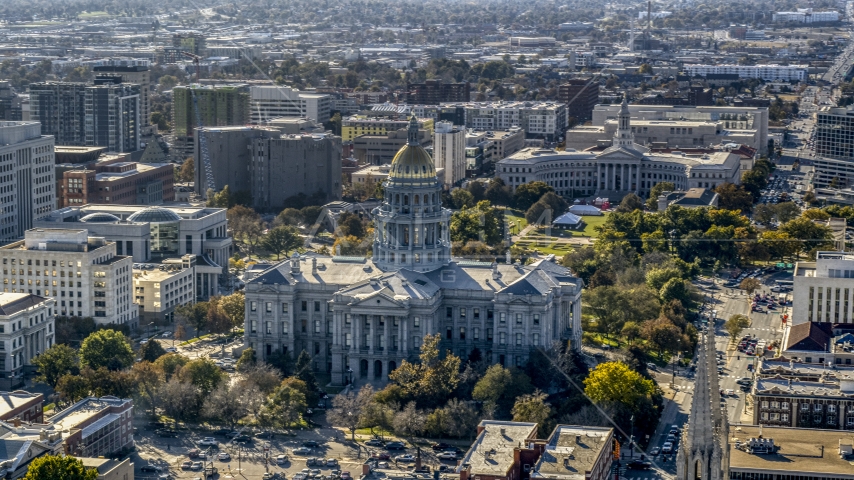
[
  {"x": 331, "y": 462},
  {"x": 224, "y": 457},
  {"x": 639, "y": 465},
  {"x": 208, "y": 442},
  {"x": 447, "y": 456},
  {"x": 196, "y": 466},
  {"x": 667, "y": 447},
  {"x": 186, "y": 465},
  {"x": 282, "y": 459},
  {"x": 406, "y": 457},
  {"x": 345, "y": 475},
  {"x": 381, "y": 456},
  {"x": 302, "y": 451},
  {"x": 382, "y": 464},
  {"x": 655, "y": 451},
  {"x": 374, "y": 442},
  {"x": 744, "y": 381},
  {"x": 194, "y": 452},
  {"x": 310, "y": 444},
  {"x": 439, "y": 447},
  {"x": 150, "y": 468},
  {"x": 165, "y": 432},
  {"x": 395, "y": 446}
]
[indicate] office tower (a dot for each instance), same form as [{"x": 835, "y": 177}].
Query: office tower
[
  {"x": 135, "y": 73},
  {"x": 112, "y": 115},
  {"x": 26, "y": 160},
  {"x": 449, "y": 152},
  {"x": 60, "y": 107}
]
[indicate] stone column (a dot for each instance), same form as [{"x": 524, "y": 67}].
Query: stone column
[
  {"x": 404, "y": 337},
  {"x": 357, "y": 332},
  {"x": 598, "y": 175}
]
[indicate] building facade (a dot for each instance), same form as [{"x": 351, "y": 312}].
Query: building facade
[
  {"x": 624, "y": 167},
  {"x": 60, "y": 108},
  {"x": 218, "y": 106},
  {"x": 381, "y": 149},
  {"x": 158, "y": 234},
  {"x": 434, "y": 92},
  {"x": 834, "y": 137},
  {"x": 580, "y": 96},
  {"x": 83, "y": 275},
  {"x": 113, "y": 180},
  {"x": 267, "y": 102},
  {"x": 27, "y": 183},
  {"x": 361, "y": 317},
  {"x": 546, "y": 120},
  {"x": 449, "y": 152},
  {"x": 771, "y": 72},
  {"x": 160, "y": 289},
  {"x": 138, "y": 73},
  {"x": 112, "y": 115},
  {"x": 26, "y": 330},
  {"x": 97, "y": 427},
  {"x": 823, "y": 291}
]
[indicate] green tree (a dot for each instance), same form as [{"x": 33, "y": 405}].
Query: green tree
[
  {"x": 196, "y": 314},
  {"x": 171, "y": 363},
  {"x": 151, "y": 351},
  {"x": 630, "y": 203},
  {"x": 202, "y": 373},
  {"x": 59, "y": 467},
  {"x": 281, "y": 239},
  {"x": 811, "y": 234},
  {"x": 234, "y": 307},
  {"x": 72, "y": 387},
  {"x": 787, "y": 211},
  {"x": 735, "y": 325},
  {"x": 764, "y": 213},
  {"x": 499, "y": 387},
  {"x": 733, "y": 197},
  {"x": 662, "y": 334},
  {"x": 631, "y": 331},
  {"x": 433, "y": 379},
  {"x": 289, "y": 216},
  {"x": 284, "y": 407},
  {"x": 462, "y": 198},
  {"x": 247, "y": 360},
  {"x": 106, "y": 348},
  {"x": 347, "y": 408},
  {"x": 616, "y": 383},
  {"x": 304, "y": 371},
  {"x": 540, "y": 213},
  {"x": 530, "y": 193},
  {"x": 750, "y": 285},
  {"x": 187, "y": 172},
  {"x": 532, "y": 408},
  {"x": 645, "y": 69},
  {"x": 753, "y": 181},
  {"x": 677, "y": 289},
  {"x": 656, "y": 191},
  {"x": 815, "y": 214},
  {"x": 56, "y": 361}
]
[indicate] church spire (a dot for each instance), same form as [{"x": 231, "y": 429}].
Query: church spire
[
  {"x": 412, "y": 134},
  {"x": 624, "y": 137}
]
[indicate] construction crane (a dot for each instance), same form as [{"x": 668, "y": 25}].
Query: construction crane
[{"x": 203, "y": 144}]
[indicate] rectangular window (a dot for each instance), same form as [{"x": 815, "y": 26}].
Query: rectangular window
[
  {"x": 347, "y": 319},
  {"x": 316, "y": 306},
  {"x": 449, "y": 312},
  {"x": 518, "y": 339},
  {"x": 784, "y": 417},
  {"x": 317, "y": 326},
  {"x": 518, "y": 319},
  {"x": 284, "y": 308},
  {"x": 536, "y": 339},
  {"x": 805, "y": 407},
  {"x": 348, "y": 339},
  {"x": 536, "y": 319},
  {"x": 488, "y": 334},
  {"x": 449, "y": 333},
  {"x": 476, "y": 312},
  {"x": 502, "y": 338},
  {"x": 304, "y": 306},
  {"x": 475, "y": 334},
  {"x": 416, "y": 322},
  {"x": 284, "y": 328},
  {"x": 269, "y": 307},
  {"x": 253, "y": 306},
  {"x": 502, "y": 317},
  {"x": 254, "y": 326},
  {"x": 784, "y": 405},
  {"x": 831, "y": 408},
  {"x": 764, "y": 415},
  {"x": 462, "y": 333},
  {"x": 462, "y": 313},
  {"x": 268, "y": 327}
]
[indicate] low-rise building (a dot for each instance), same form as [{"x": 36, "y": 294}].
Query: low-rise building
[
  {"x": 692, "y": 198},
  {"x": 358, "y": 125},
  {"x": 267, "y": 102},
  {"x": 109, "y": 468},
  {"x": 795, "y": 453},
  {"x": 500, "y": 451},
  {"x": 822, "y": 290},
  {"x": 381, "y": 149},
  {"x": 81, "y": 275},
  {"x": 572, "y": 451},
  {"x": 21, "y": 443},
  {"x": 160, "y": 289},
  {"x": 773, "y": 72},
  {"x": 26, "y": 330},
  {"x": 25, "y": 406},
  {"x": 114, "y": 180},
  {"x": 97, "y": 426}
]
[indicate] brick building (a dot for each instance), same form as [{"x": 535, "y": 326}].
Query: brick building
[
  {"x": 97, "y": 426},
  {"x": 114, "y": 180}
]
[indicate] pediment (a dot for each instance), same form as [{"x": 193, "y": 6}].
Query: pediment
[
  {"x": 619, "y": 153},
  {"x": 380, "y": 299},
  {"x": 267, "y": 289}
]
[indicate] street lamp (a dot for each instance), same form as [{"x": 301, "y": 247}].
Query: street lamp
[
  {"x": 350, "y": 373},
  {"x": 632, "y": 439}
]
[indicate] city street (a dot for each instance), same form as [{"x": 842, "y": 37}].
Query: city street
[{"x": 764, "y": 326}]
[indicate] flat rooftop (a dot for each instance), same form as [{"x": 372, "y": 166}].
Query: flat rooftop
[
  {"x": 802, "y": 452},
  {"x": 572, "y": 451},
  {"x": 493, "y": 451},
  {"x": 9, "y": 401},
  {"x": 73, "y": 416}
]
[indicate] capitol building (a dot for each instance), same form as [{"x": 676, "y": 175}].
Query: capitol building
[{"x": 359, "y": 318}]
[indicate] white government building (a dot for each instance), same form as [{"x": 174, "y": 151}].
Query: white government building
[
  {"x": 624, "y": 167},
  {"x": 359, "y": 318}
]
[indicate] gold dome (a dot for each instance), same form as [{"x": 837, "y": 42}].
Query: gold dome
[{"x": 412, "y": 164}]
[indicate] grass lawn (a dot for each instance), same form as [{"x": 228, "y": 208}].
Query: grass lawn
[
  {"x": 93, "y": 14},
  {"x": 515, "y": 220}
]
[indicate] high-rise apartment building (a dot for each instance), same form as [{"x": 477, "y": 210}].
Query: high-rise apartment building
[
  {"x": 60, "y": 108},
  {"x": 105, "y": 114},
  {"x": 434, "y": 92},
  {"x": 136, "y": 72},
  {"x": 218, "y": 106},
  {"x": 82, "y": 274},
  {"x": 449, "y": 152},
  {"x": 27, "y": 181},
  {"x": 580, "y": 96},
  {"x": 112, "y": 115},
  {"x": 268, "y": 102},
  {"x": 230, "y": 157}
]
